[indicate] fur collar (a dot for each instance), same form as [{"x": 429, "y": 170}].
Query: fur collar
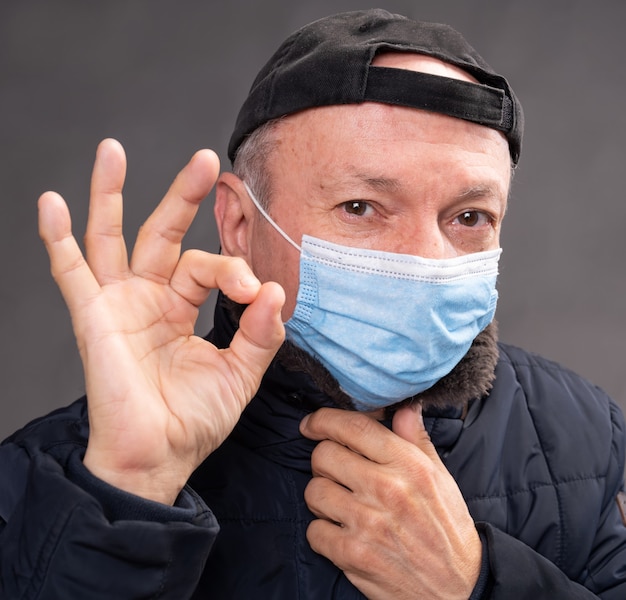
[{"x": 472, "y": 377}]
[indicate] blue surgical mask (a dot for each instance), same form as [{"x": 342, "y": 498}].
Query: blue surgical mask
[{"x": 388, "y": 326}]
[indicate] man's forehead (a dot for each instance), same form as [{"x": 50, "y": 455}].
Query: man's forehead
[
  {"x": 324, "y": 146},
  {"x": 332, "y": 127}
]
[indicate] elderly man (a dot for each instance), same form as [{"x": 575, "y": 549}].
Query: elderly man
[{"x": 392, "y": 448}]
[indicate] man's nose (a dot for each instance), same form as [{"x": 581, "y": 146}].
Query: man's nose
[{"x": 425, "y": 239}]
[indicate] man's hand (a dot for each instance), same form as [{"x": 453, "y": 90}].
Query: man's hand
[
  {"x": 389, "y": 513},
  {"x": 160, "y": 399}
]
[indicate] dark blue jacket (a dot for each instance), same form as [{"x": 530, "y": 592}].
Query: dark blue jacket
[{"x": 540, "y": 462}]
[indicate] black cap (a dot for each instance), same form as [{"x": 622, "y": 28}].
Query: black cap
[{"x": 328, "y": 62}]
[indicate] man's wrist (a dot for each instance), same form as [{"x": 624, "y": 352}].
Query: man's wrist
[
  {"x": 143, "y": 483},
  {"x": 119, "y": 504}
]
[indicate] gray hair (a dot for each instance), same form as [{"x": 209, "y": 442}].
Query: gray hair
[{"x": 251, "y": 160}]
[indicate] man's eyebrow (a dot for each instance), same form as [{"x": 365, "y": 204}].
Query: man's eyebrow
[
  {"x": 480, "y": 191},
  {"x": 391, "y": 185},
  {"x": 380, "y": 184}
]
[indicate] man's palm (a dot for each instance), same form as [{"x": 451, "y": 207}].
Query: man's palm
[{"x": 160, "y": 399}]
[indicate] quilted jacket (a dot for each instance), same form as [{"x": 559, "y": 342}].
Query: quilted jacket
[{"x": 540, "y": 462}]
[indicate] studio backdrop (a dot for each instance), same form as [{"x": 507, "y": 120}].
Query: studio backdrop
[{"x": 167, "y": 78}]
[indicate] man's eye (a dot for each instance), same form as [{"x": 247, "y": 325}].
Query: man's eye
[
  {"x": 473, "y": 218},
  {"x": 356, "y": 207}
]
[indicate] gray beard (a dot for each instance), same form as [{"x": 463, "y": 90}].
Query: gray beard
[{"x": 470, "y": 379}]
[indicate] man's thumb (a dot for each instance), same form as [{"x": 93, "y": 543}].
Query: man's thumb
[{"x": 408, "y": 423}]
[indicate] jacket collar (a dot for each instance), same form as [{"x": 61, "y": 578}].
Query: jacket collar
[{"x": 270, "y": 423}]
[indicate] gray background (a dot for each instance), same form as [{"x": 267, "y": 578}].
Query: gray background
[{"x": 167, "y": 78}]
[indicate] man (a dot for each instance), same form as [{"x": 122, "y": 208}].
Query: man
[{"x": 372, "y": 164}]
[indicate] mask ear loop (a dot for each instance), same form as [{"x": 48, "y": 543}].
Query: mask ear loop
[{"x": 269, "y": 219}]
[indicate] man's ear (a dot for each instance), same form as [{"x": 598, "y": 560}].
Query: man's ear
[{"x": 233, "y": 214}]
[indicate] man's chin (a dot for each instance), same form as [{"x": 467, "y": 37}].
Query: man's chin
[{"x": 470, "y": 379}]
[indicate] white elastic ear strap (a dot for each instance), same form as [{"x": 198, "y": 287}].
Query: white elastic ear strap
[{"x": 268, "y": 218}]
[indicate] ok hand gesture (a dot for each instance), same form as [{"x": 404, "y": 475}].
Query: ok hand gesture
[{"x": 160, "y": 399}]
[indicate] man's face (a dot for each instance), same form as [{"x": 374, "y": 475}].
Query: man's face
[{"x": 381, "y": 177}]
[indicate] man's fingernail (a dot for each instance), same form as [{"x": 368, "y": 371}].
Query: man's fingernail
[{"x": 304, "y": 422}]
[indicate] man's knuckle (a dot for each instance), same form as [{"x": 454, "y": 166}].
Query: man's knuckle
[
  {"x": 358, "y": 552},
  {"x": 394, "y": 493},
  {"x": 361, "y": 425}
]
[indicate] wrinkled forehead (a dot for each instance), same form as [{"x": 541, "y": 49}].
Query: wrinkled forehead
[{"x": 383, "y": 146}]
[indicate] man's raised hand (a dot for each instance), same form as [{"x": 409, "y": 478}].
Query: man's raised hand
[{"x": 160, "y": 399}]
